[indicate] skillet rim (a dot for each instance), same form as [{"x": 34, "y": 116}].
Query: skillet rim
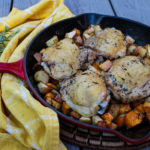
[{"x": 65, "y": 117}]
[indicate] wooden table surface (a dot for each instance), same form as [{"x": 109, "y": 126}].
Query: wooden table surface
[{"x": 138, "y": 10}]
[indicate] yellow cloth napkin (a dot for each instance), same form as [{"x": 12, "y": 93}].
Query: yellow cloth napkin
[{"x": 25, "y": 124}]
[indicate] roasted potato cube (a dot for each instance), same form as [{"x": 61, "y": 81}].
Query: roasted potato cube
[
  {"x": 56, "y": 105},
  {"x": 147, "y": 60},
  {"x": 133, "y": 118},
  {"x": 75, "y": 115},
  {"x": 147, "y": 109},
  {"x": 105, "y": 66},
  {"x": 49, "y": 94},
  {"x": 107, "y": 118},
  {"x": 148, "y": 50},
  {"x": 142, "y": 52},
  {"x": 85, "y": 120},
  {"x": 52, "y": 41},
  {"x": 89, "y": 32},
  {"x": 120, "y": 121},
  {"x": 101, "y": 124},
  {"x": 131, "y": 49},
  {"x": 65, "y": 108},
  {"x": 129, "y": 39},
  {"x": 114, "y": 110},
  {"x": 113, "y": 126},
  {"x": 97, "y": 28},
  {"x": 52, "y": 86},
  {"x": 41, "y": 76},
  {"x": 77, "y": 31},
  {"x": 140, "y": 108},
  {"x": 43, "y": 88},
  {"x": 124, "y": 108},
  {"x": 95, "y": 119}
]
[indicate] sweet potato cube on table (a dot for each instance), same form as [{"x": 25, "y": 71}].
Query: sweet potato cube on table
[
  {"x": 147, "y": 109},
  {"x": 133, "y": 118},
  {"x": 120, "y": 121},
  {"x": 49, "y": 94},
  {"x": 65, "y": 108},
  {"x": 107, "y": 118},
  {"x": 124, "y": 108},
  {"x": 106, "y": 65}
]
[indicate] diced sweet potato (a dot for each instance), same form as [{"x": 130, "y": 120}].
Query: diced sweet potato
[
  {"x": 52, "y": 41},
  {"x": 133, "y": 118},
  {"x": 124, "y": 108},
  {"x": 85, "y": 120},
  {"x": 136, "y": 51},
  {"x": 49, "y": 100},
  {"x": 101, "y": 124},
  {"x": 52, "y": 86},
  {"x": 41, "y": 76},
  {"x": 75, "y": 115},
  {"x": 107, "y": 118},
  {"x": 75, "y": 32},
  {"x": 43, "y": 88},
  {"x": 49, "y": 94},
  {"x": 113, "y": 126},
  {"x": 147, "y": 109},
  {"x": 106, "y": 65},
  {"x": 140, "y": 108},
  {"x": 55, "y": 104},
  {"x": 96, "y": 65},
  {"x": 114, "y": 110},
  {"x": 65, "y": 108},
  {"x": 95, "y": 119},
  {"x": 120, "y": 121},
  {"x": 89, "y": 32}
]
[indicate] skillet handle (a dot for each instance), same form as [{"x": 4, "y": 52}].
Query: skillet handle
[{"x": 16, "y": 68}]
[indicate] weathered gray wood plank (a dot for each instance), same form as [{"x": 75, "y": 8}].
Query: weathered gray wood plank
[
  {"x": 4, "y": 7},
  {"x": 138, "y": 10},
  {"x": 93, "y": 6},
  {"x": 22, "y": 4}
]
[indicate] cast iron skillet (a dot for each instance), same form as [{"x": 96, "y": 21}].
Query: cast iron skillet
[{"x": 23, "y": 68}]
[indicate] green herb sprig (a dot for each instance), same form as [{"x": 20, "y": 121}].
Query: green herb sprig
[{"x": 4, "y": 38}]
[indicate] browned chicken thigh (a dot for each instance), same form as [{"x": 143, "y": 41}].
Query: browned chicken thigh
[
  {"x": 84, "y": 92},
  {"x": 129, "y": 79},
  {"x": 109, "y": 43}
]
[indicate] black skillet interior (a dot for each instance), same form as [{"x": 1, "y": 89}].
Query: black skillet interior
[{"x": 140, "y": 32}]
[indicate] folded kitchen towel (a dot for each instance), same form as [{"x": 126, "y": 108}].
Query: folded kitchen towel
[{"x": 25, "y": 124}]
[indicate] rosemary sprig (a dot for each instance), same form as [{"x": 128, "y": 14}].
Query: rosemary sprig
[{"x": 5, "y": 39}]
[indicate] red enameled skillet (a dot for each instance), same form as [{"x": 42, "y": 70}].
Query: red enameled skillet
[{"x": 23, "y": 68}]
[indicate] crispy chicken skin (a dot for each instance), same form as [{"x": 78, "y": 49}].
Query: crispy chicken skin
[
  {"x": 109, "y": 43},
  {"x": 62, "y": 58},
  {"x": 84, "y": 92},
  {"x": 129, "y": 79}
]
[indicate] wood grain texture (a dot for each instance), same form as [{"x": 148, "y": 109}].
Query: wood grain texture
[
  {"x": 138, "y": 10},
  {"x": 4, "y": 7},
  {"x": 22, "y": 4},
  {"x": 93, "y": 6}
]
